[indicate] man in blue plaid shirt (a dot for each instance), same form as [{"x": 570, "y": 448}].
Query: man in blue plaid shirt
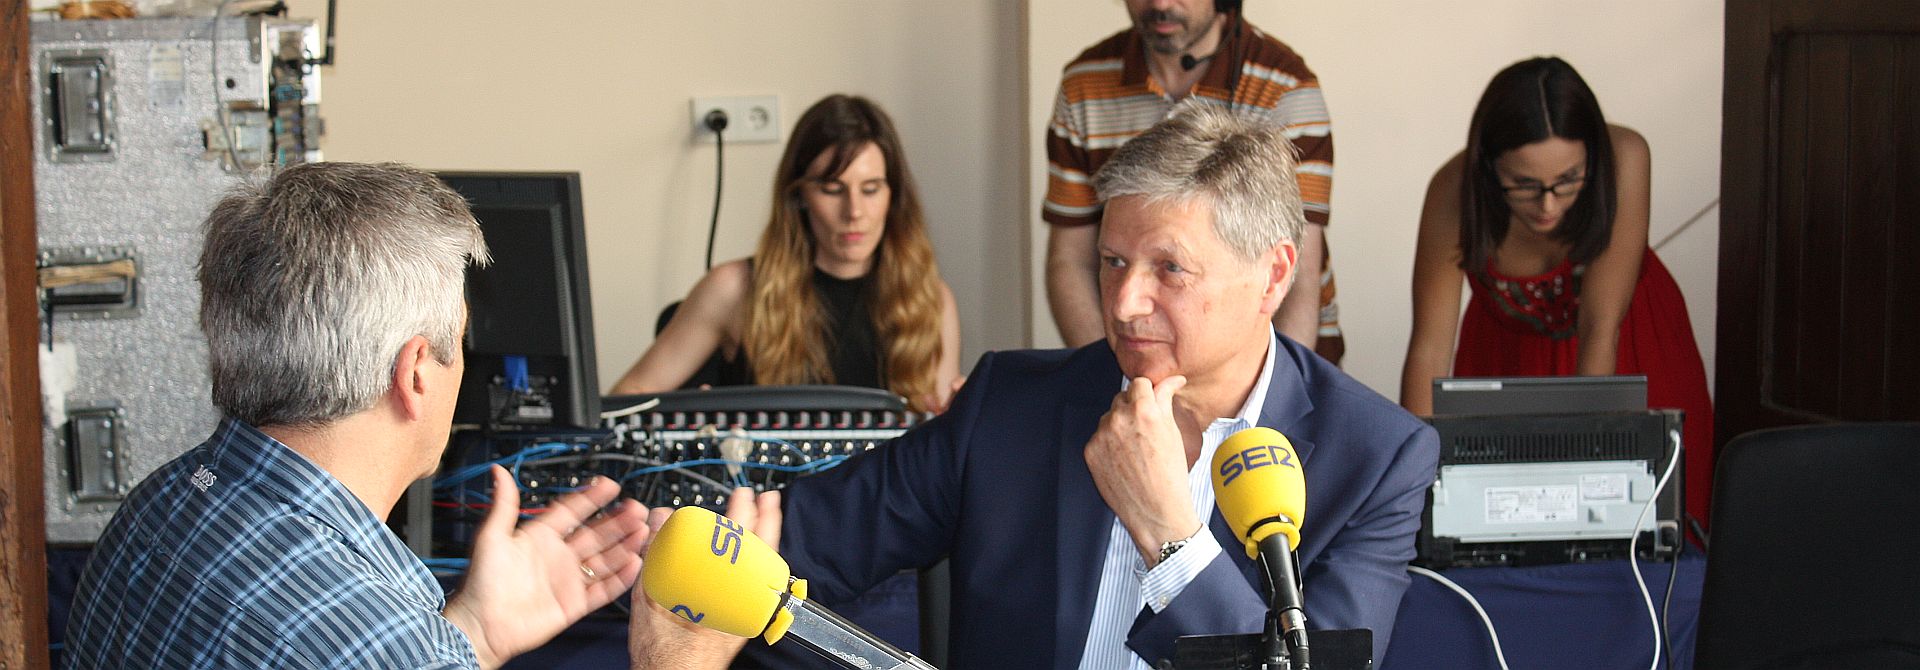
[{"x": 332, "y": 298}]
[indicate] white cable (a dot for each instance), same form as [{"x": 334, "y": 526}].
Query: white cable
[
  {"x": 636, "y": 409},
  {"x": 1633, "y": 545},
  {"x": 1497, "y": 653}
]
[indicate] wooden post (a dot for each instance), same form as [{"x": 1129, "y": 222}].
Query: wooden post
[{"x": 23, "y": 516}]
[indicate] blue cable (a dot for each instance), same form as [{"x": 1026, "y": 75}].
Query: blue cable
[
  {"x": 469, "y": 472},
  {"x": 515, "y": 371},
  {"x": 809, "y": 467}
]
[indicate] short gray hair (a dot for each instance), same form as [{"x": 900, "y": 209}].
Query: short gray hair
[
  {"x": 1241, "y": 164},
  {"x": 312, "y": 281}
]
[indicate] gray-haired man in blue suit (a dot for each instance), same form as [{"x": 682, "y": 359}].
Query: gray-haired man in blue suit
[{"x": 1071, "y": 488}]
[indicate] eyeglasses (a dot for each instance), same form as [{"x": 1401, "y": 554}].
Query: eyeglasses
[{"x": 1531, "y": 192}]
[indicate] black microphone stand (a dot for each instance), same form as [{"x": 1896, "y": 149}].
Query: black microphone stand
[
  {"x": 1285, "y": 639},
  {"x": 1283, "y": 644}
]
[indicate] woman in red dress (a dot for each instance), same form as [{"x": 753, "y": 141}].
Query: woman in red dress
[{"x": 1545, "y": 216}]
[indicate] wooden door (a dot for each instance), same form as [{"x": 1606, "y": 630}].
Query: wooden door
[{"x": 1819, "y": 299}]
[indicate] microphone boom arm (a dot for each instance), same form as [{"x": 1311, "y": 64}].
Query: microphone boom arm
[{"x": 829, "y": 635}]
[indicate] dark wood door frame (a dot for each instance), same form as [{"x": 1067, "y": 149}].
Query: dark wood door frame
[
  {"x": 1757, "y": 382},
  {"x": 23, "y": 517}
]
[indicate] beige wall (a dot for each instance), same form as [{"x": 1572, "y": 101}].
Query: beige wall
[
  {"x": 603, "y": 88},
  {"x": 1401, "y": 79}
]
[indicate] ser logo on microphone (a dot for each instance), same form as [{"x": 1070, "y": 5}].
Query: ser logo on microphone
[
  {"x": 727, "y": 539},
  {"x": 1254, "y": 458}
]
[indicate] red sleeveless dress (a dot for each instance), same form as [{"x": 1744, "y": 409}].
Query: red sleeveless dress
[{"x": 1527, "y": 326}]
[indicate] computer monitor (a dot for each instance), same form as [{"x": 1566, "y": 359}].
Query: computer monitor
[
  {"x": 529, "y": 344},
  {"x": 1509, "y": 396}
]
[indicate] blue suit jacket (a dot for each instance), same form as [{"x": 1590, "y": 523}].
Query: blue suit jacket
[{"x": 1000, "y": 484}]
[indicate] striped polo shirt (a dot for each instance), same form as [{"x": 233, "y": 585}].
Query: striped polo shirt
[
  {"x": 1108, "y": 97},
  {"x": 241, "y": 553}
]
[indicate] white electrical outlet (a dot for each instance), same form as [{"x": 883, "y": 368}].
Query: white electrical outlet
[{"x": 751, "y": 119}]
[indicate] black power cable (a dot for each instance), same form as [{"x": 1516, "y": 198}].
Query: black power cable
[
  {"x": 326, "y": 58},
  {"x": 716, "y": 121}
]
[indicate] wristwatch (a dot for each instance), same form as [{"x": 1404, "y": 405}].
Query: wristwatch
[{"x": 1167, "y": 549}]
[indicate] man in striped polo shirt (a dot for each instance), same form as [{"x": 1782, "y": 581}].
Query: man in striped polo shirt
[{"x": 1118, "y": 88}]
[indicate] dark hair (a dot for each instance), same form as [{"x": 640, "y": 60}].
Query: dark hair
[{"x": 1530, "y": 101}]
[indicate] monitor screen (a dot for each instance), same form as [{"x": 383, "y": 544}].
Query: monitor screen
[{"x": 529, "y": 344}]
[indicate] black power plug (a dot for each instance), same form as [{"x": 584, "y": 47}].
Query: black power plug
[{"x": 716, "y": 120}]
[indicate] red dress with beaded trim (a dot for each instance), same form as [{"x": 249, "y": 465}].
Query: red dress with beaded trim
[{"x": 1526, "y": 326}]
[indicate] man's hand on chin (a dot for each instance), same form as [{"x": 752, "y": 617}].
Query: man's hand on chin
[{"x": 1139, "y": 463}]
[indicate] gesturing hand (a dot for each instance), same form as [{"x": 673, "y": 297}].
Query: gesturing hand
[
  {"x": 527, "y": 583},
  {"x": 1139, "y": 463},
  {"x": 658, "y": 639}
]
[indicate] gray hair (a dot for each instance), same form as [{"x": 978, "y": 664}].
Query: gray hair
[
  {"x": 1243, "y": 165},
  {"x": 312, "y": 281}
]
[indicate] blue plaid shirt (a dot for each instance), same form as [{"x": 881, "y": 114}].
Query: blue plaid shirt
[{"x": 243, "y": 554}]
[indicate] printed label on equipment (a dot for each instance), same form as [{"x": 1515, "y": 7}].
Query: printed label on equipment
[
  {"x": 167, "y": 88},
  {"x": 1603, "y": 488},
  {"x": 1532, "y": 504}
]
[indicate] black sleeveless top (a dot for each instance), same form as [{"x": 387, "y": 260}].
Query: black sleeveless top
[{"x": 853, "y": 346}]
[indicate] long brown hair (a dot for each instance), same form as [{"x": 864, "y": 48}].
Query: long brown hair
[{"x": 786, "y": 336}]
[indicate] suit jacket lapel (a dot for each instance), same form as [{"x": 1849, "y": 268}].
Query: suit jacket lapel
[
  {"x": 1285, "y": 405},
  {"x": 1084, "y": 518},
  {"x": 1287, "y": 402}
]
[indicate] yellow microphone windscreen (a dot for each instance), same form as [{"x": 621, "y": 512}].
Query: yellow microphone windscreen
[
  {"x": 712, "y": 571},
  {"x": 1260, "y": 487}
]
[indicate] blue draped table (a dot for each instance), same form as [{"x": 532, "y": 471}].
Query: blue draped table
[{"x": 1585, "y": 615}]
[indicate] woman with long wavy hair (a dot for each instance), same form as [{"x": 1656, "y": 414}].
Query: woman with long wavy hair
[{"x": 843, "y": 288}]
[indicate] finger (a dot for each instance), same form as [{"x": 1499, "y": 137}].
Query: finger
[
  {"x": 1169, "y": 387},
  {"x": 657, "y": 517},
  {"x": 616, "y": 570},
  {"x": 609, "y": 582},
  {"x": 740, "y": 507},
  {"x": 615, "y": 559},
  {"x": 506, "y": 504},
  {"x": 567, "y": 512},
  {"x": 610, "y": 530},
  {"x": 644, "y": 534},
  {"x": 769, "y": 518},
  {"x": 1140, "y": 392}
]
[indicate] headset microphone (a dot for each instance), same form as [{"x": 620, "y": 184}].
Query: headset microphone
[
  {"x": 1188, "y": 62},
  {"x": 1262, "y": 493},
  {"x": 710, "y": 570}
]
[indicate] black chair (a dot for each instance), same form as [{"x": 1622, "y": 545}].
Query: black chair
[{"x": 1815, "y": 560}]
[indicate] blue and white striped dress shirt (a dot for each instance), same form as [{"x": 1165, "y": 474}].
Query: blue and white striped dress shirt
[
  {"x": 1126, "y": 584},
  {"x": 241, "y": 553}
]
